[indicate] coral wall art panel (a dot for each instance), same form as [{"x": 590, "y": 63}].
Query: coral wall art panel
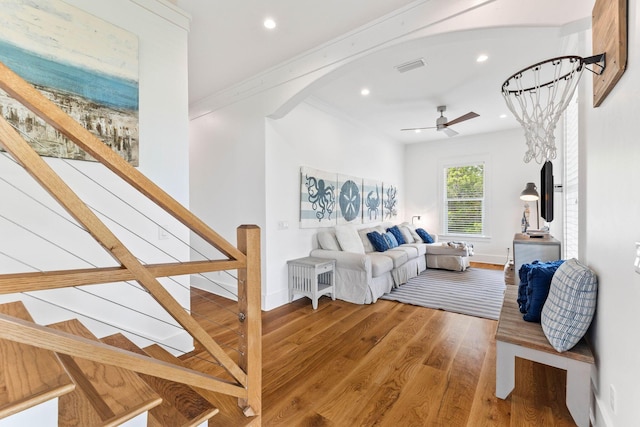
[
  {"x": 389, "y": 201},
  {"x": 85, "y": 65},
  {"x": 349, "y": 192},
  {"x": 371, "y": 201},
  {"x": 317, "y": 198}
]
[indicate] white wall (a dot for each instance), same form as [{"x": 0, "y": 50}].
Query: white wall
[
  {"x": 610, "y": 209},
  {"x": 506, "y": 176},
  {"x": 163, "y": 119}
]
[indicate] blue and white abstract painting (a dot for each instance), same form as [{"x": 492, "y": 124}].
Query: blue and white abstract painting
[
  {"x": 85, "y": 65},
  {"x": 317, "y": 198}
]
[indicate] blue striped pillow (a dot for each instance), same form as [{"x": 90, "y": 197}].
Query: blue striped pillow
[
  {"x": 391, "y": 240},
  {"x": 378, "y": 241},
  {"x": 570, "y": 306}
]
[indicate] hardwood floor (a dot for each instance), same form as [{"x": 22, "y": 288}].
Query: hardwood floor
[{"x": 392, "y": 364}]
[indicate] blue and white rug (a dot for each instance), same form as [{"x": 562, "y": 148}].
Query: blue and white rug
[{"x": 477, "y": 291}]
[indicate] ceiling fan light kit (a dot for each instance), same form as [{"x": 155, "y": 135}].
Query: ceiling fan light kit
[{"x": 538, "y": 95}]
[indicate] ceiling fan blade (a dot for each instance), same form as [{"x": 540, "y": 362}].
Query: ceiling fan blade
[
  {"x": 432, "y": 127},
  {"x": 470, "y": 115},
  {"x": 449, "y": 132}
]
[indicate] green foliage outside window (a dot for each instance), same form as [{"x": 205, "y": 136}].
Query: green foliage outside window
[{"x": 465, "y": 199}]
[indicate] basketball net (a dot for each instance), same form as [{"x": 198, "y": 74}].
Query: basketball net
[{"x": 537, "y": 96}]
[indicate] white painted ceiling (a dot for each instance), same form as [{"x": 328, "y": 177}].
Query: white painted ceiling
[{"x": 228, "y": 44}]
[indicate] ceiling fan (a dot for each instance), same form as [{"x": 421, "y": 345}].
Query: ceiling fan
[{"x": 442, "y": 123}]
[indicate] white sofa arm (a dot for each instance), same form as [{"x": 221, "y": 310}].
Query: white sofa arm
[{"x": 343, "y": 259}]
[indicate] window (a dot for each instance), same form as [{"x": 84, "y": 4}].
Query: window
[{"x": 464, "y": 199}]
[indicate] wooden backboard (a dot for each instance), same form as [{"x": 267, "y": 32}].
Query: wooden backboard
[{"x": 609, "y": 27}]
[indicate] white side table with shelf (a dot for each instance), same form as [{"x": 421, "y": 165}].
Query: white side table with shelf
[
  {"x": 528, "y": 249},
  {"x": 312, "y": 277}
]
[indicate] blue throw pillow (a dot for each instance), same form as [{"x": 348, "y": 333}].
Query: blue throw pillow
[
  {"x": 523, "y": 274},
  {"x": 538, "y": 284},
  {"x": 397, "y": 234},
  {"x": 378, "y": 241},
  {"x": 391, "y": 240},
  {"x": 426, "y": 237}
]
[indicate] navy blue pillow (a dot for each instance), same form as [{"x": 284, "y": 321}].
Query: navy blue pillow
[
  {"x": 522, "y": 287},
  {"x": 426, "y": 237},
  {"x": 538, "y": 285},
  {"x": 378, "y": 241},
  {"x": 391, "y": 240},
  {"x": 397, "y": 234}
]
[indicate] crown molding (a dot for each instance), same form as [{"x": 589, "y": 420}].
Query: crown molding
[{"x": 166, "y": 10}]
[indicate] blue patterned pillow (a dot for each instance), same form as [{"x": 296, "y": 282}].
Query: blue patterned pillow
[
  {"x": 570, "y": 306},
  {"x": 397, "y": 234},
  {"x": 426, "y": 237},
  {"x": 378, "y": 241},
  {"x": 391, "y": 240}
]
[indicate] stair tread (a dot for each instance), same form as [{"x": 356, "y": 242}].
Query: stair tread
[
  {"x": 106, "y": 395},
  {"x": 230, "y": 414},
  {"x": 181, "y": 406},
  {"x": 29, "y": 375}
]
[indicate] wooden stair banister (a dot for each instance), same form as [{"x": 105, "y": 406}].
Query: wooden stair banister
[
  {"x": 246, "y": 373},
  {"x": 37, "y": 377},
  {"x": 181, "y": 405}
]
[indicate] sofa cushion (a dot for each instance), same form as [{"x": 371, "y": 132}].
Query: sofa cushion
[
  {"x": 538, "y": 283},
  {"x": 409, "y": 250},
  {"x": 380, "y": 264},
  {"x": 378, "y": 241},
  {"x": 570, "y": 306},
  {"x": 406, "y": 234},
  {"x": 420, "y": 247},
  {"x": 412, "y": 230},
  {"x": 366, "y": 243},
  {"x": 398, "y": 257},
  {"x": 397, "y": 234},
  {"x": 426, "y": 237},
  {"x": 391, "y": 240},
  {"x": 349, "y": 239},
  {"x": 327, "y": 240}
]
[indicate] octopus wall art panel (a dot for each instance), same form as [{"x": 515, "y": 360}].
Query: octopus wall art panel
[
  {"x": 318, "y": 197},
  {"x": 349, "y": 192},
  {"x": 371, "y": 201},
  {"x": 389, "y": 201}
]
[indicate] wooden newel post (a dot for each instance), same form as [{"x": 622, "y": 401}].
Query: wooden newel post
[{"x": 250, "y": 317}]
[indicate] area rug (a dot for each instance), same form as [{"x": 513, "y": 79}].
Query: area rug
[{"x": 477, "y": 292}]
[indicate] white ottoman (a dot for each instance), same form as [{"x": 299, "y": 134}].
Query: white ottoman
[{"x": 449, "y": 255}]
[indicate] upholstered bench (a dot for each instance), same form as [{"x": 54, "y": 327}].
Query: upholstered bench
[{"x": 449, "y": 255}]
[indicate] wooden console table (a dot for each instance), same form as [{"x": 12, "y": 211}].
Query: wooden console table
[{"x": 517, "y": 338}]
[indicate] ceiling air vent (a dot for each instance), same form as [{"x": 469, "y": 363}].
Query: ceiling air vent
[{"x": 411, "y": 65}]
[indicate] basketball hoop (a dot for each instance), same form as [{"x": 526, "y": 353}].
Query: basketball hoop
[{"x": 537, "y": 96}]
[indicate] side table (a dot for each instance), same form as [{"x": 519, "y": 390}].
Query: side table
[{"x": 312, "y": 277}]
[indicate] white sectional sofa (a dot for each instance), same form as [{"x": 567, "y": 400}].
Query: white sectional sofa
[{"x": 363, "y": 274}]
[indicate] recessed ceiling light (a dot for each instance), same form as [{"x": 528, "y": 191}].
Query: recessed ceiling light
[
  {"x": 365, "y": 92},
  {"x": 269, "y": 23},
  {"x": 418, "y": 131},
  {"x": 503, "y": 116},
  {"x": 482, "y": 58}
]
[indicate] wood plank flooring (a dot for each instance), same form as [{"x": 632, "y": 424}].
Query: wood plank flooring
[{"x": 391, "y": 364}]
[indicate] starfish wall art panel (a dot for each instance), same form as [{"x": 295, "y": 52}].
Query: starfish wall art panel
[{"x": 349, "y": 194}]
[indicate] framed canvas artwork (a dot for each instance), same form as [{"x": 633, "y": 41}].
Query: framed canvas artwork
[
  {"x": 83, "y": 64},
  {"x": 349, "y": 193},
  {"x": 371, "y": 201},
  {"x": 317, "y": 198},
  {"x": 389, "y": 201}
]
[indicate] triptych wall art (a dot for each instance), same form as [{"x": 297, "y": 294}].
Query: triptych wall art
[{"x": 328, "y": 199}]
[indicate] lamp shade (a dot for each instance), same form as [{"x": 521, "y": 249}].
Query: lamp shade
[{"x": 530, "y": 193}]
